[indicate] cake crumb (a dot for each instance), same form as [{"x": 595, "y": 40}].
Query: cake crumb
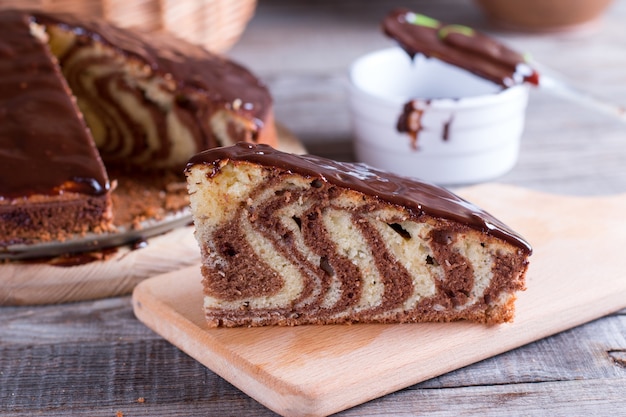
[
  {"x": 119, "y": 414},
  {"x": 141, "y": 400}
]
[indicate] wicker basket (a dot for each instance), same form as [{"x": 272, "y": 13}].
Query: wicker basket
[{"x": 215, "y": 24}]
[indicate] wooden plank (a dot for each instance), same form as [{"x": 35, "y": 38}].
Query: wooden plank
[
  {"x": 319, "y": 370},
  {"x": 561, "y": 398},
  {"x": 70, "y": 343},
  {"x": 43, "y": 283}
]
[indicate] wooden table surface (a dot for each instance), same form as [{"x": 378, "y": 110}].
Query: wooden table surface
[{"x": 96, "y": 359}]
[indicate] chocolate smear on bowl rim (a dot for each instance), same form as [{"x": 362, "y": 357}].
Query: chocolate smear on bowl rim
[{"x": 457, "y": 45}]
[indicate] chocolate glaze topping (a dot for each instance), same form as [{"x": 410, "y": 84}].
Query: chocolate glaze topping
[
  {"x": 36, "y": 156},
  {"x": 410, "y": 120},
  {"x": 419, "y": 197},
  {"x": 460, "y": 46}
]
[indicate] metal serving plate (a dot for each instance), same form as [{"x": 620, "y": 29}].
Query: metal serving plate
[{"x": 124, "y": 235}]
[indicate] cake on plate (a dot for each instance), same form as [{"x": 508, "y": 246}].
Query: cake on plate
[
  {"x": 290, "y": 240},
  {"x": 81, "y": 99}
]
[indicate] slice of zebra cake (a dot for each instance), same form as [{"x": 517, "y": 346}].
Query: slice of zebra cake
[{"x": 291, "y": 240}]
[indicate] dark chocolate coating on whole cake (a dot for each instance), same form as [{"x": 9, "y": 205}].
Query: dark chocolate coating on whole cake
[
  {"x": 417, "y": 196},
  {"x": 37, "y": 156},
  {"x": 458, "y": 45}
]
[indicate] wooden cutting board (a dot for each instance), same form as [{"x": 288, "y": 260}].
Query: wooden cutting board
[
  {"x": 46, "y": 282},
  {"x": 577, "y": 274}
]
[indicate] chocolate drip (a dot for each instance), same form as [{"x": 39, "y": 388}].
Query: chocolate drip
[
  {"x": 460, "y": 46},
  {"x": 410, "y": 120},
  {"x": 32, "y": 92},
  {"x": 419, "y": 197}
]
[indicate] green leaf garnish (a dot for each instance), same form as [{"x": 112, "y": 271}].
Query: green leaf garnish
[
  {"x": 460, "y": 29},
  {"x": 528, "y": 57},
  {"x": 421, "y": 20}
]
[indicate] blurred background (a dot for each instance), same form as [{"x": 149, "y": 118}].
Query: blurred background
[{"x": 303, "y": 49}]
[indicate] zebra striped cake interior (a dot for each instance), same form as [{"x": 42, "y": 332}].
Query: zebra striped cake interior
[{"x": 282, "y": 246}]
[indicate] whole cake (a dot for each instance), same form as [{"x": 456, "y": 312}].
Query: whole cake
[
  {"x": 85, "y": 106},
  {"x": 290, "y": 240}
]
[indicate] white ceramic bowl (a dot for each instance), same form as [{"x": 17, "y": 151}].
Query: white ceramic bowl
[{"x": 471, "y": 127}]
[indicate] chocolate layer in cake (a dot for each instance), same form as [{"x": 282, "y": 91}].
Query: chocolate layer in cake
[{"x": 289, "y": 239}]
